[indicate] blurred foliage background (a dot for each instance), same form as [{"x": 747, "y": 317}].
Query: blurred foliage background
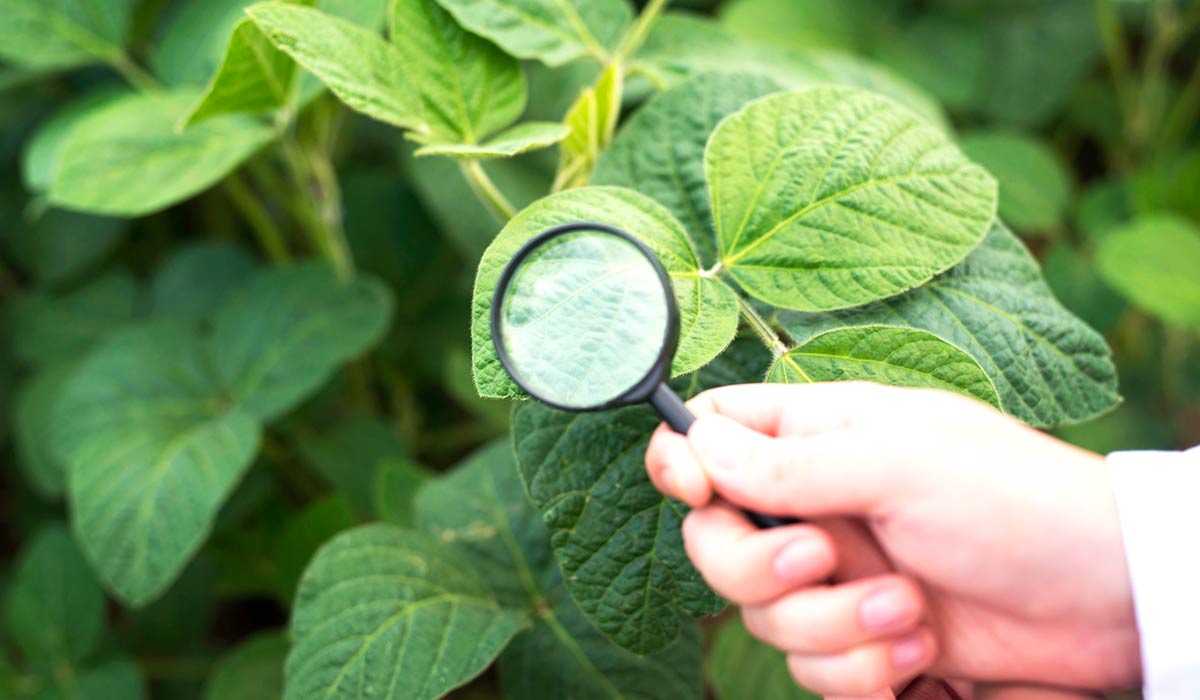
[{"x": 1085, "y": 111}]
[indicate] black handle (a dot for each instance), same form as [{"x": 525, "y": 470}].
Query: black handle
[{"x": 677, "y": 415}]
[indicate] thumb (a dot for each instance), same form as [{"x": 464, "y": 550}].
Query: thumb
[{"x": 831, "y": 473}]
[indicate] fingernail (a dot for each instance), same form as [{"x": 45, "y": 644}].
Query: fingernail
[
  {"x": 887, "y": 609},
  {"x": 910, "y": 651},
  {"x": 799, "y": 560},
  {"x": 719, "y": 443}
]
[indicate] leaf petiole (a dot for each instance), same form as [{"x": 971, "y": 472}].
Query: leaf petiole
[{"x": 486, "y": 190}]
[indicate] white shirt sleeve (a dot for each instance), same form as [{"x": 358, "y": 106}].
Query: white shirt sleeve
[{"x": 1158, "y": 499}]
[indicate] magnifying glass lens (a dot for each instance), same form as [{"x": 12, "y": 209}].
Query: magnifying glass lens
[{"x": 583, "y": 318}]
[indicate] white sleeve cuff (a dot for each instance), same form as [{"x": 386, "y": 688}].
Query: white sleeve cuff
[{"x": 1157, "y": 498}]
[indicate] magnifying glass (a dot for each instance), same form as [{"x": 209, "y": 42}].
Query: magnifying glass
[{"x": 584, "y": 319}]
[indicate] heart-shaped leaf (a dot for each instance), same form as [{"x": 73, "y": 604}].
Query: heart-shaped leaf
[
  {"x": 481, "y": 509},
  {"x": 707, "y": 307},
  {"x": 1048, "y": 367},
  {"x": 831, "y": 198},
  {"x": 885, "y": 355},
  {"x": 551, "y": 31},
  {"x": 126, "y": 158},
  {"x": 63, "y": 33},
  {"x": 392, "y": 614}
]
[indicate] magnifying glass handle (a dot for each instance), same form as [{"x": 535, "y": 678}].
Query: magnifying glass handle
[{"x": 677, "y": 415}]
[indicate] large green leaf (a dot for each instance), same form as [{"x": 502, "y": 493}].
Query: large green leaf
[
  {"x": 660, "y": 151},
  {"x": 708, "y": 308},
  {"x": 1035, "y": 186},
  {"x": 1048, "y": 367},
  {"x": 392, "y": 614},
  {"x": 63, "y": 33},
  {"x": 153, "y": 447},
  {"x": 54, "y": 610},
  {"x": 33, "y": 428},
  {"x": 51, "y": 329},
  {"x": 468, "y": 87},
  {"x": 279, "y": 337},
  {"x": 886, "y": 355},
  {"x": 831, "y": 198},
  {"x": 42, "y": 153},
  {"x": 742, "y": 668},
  {"x": 551, "y": 31},
  {"x": 481, "y": 508},
  {"x": 362, "y": 69},
  {"x": 251, "y": 670},
  {"x": 616, "y": 537},
  {"x": 1154, "y": 261},
  {"x": 128, "y": 159}
]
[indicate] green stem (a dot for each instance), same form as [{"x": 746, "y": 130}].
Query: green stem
[
  {"x": 486, "y": 190},
  {"x": 763, "y": 329},
  {"x": 1117, "y": 51},
  {"x": 316, "y": 203},
  {"x": 134, "y": 74},
  {"x": 1183, "y": 115},
  {"x": 637, "y": 33},
  {"x": 256, "y": 216}
]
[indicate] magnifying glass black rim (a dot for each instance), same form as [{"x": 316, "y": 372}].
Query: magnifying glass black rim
[{"x": 643, "y": 388}]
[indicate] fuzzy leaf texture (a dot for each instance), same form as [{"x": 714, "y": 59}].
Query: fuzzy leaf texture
[
  {"x": 1048, "y": 367},
  {"x": 707, "y": 307},
  {"x": 617, "y": 539},
  {"x": 481, "y": 509},
  {"x": 551, "y": 31},
  {"x": 831, "y": 198},
  {"x": 392, "y": 614},
  {"x": 885, "y": 355}
]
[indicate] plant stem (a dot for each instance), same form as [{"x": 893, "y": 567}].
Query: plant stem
[
  {"x": 134, "y": 74},
  {"x": 763, "y": 329},
  {"x": 486, "y": 190},
  {"x": 317, "y": 203},
  {"x": 637, "y": 33},
  {"x": 1183, "y": 115},
  {"x": 256, "y": 215},
  {"x": 1117, "y": 51}
]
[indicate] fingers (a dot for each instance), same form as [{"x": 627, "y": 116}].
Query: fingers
[
  {"x": 673, "y": 468},
  {"x": 868, "y": 670},
  {"x": 777, "y": 409},
  {"x": 749, "y": 566},
  {"x": 827, "y": 619}
]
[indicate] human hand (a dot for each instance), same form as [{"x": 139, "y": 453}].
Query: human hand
[{"x": 950, "y": 538}]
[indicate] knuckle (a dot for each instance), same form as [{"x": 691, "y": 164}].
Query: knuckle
[{"x": 758, "y": 624}]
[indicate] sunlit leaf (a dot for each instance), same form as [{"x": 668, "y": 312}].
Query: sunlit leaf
[{"x": 551, "y": 31}]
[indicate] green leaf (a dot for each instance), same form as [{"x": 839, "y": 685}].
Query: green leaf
[
  {"x": 522, "y": 138},
  {"x": 60, "y": 246},
  {"x": 1153, "y": 261},
  {"x": 885, "y": 355},
  {"x": 1035, "y": 186},
  {"x": 349, "y": 454},
  {"x": 551, "y": 31},
  {"x": 127, "y": 159},
  {"x": 363, "y": 70},
  {"x": 1049, "y": 368},
  {"x": 1102, "y": 207},
  {"x": 1077, "y": 283},
  {"x": 196, "y": 278},
  {"x": 53, "y": 329},
  {"x": 481, "y": 509},
  {"x": 63, "y": 33},
  {"x": 591, "y": 121},
  {"x": 194, "y": 42},
  {"x": 394, "y": 489},
  {"x": 153, "y": 447},
  {"x": 940, "y": 54},
  {"x": 660, "y": 150},
  {"x": 54, "y": 610},
  {"x": 831, "y": 198},
  {"x": 251, "y": 670},
  {"x": 279, "y": 337},
  {"x": 117, "y": 677},
  {"x": 742, "y": 668},
  {"x": 303, "y": 536},
  {"x": 33, "y": 430},
  {"x": 392, "y": 614},
  {"x": 468, "y": 88},
  {"x": 707, "y": 308},
  {"x": 253, "y": 77},
  {"x": 801, "y": 24},
  {"x": 617, "y": 539},
  {"x": 41, "y": 156}
]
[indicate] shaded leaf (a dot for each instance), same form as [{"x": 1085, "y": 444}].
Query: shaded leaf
[
  {"x": 33, "y": 428},
  {"x": 708, "y": 309},
  {"x": 53, "y": 329},
  {"x": 63, "y": 33},
  {"x": 1077, "y": 284},
  {"x": 196, "y": 278},
  {"x": 885, "y": 355},
  {"x": 1049, "y": 368},
  {"x": 551, "y": 31},
  {"x": 250, "y": 671},
  {"x": 127, "y": 158},
  {"x": 303, "y": 536},
  {"x": 522, "y": 138},
  {"x": 394, "y": 489},
  {"x": 388, "y": 613},
  {"x": 350, "y": 453},
  {"x": 742, "y": 668},
  {"x": 195, "y": 39},
  {"x": 1035, "y": 186},
  {"x": 890, "y": 203},
  {"x": 60, "y": 246},
  {"x": 1154, "y": 262}
]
